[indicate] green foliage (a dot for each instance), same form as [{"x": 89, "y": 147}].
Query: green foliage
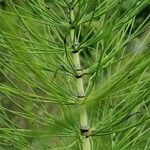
[{"x": 40, "y": 108}]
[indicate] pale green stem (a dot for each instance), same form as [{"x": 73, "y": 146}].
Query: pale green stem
[{"x": 86, "y": 145}]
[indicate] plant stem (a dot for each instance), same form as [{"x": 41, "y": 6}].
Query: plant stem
[
  {"x": 80, "y": 93},
  {"x": 80, "y": 89}
]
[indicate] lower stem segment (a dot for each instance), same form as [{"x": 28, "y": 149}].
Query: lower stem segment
[
  {"x": 86, "y": 145},
  {"x": 81, "y": 93}
]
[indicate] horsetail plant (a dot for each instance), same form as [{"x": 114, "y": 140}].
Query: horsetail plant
[{"x": 71, "y": 76}]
